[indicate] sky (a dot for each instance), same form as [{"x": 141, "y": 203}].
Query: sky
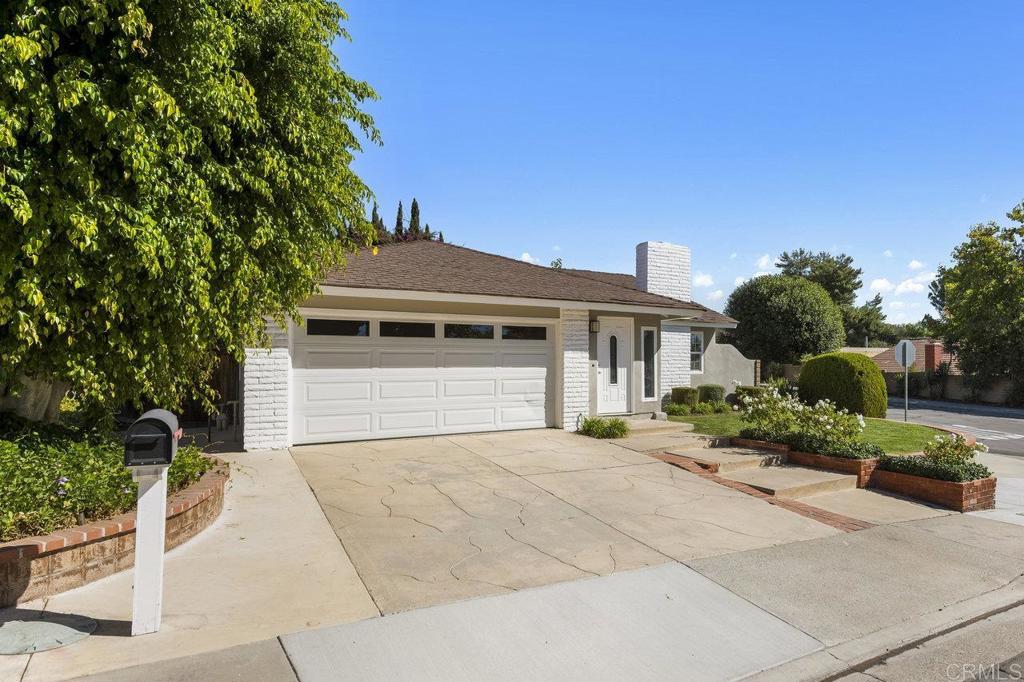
[{"x": 550, "y": 129}]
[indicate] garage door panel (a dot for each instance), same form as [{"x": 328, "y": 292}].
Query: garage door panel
[
  {"x": 316, "y": 358},
  {"x": 410, "y": 420},
  {"x": 475, "y": 417},
  {"x": 339, "y": 425},
  {"x": 396, "y": 389},
  {"x": 470, "y": 388},
  {"x": 337, "y": 391},
  {"x": 528, "y": 359},
  {"x": 407, "y": 359},
  {"x": 523, "y": 414},
  {"x": 456, "y": 359},
  {"x": 524, "y": 388}
]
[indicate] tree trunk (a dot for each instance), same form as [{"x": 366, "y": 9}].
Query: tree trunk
[{"x": 35, "y": 399}]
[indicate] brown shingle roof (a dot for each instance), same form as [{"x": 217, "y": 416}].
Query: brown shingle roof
[{"x": 446, "y": 268}]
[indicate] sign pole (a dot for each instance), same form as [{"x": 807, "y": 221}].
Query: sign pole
[
  {"x": 906, "y": 392},
  {"x": 150, "y": 525}
]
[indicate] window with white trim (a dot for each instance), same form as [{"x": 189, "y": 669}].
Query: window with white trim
[
  {"x": 649, "y": 345},
  {"x": 696, "y": 351}
]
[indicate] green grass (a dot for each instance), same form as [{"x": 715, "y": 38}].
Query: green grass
[{"x": 893, "y": 437}]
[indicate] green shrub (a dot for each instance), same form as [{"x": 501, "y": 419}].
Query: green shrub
[
  {"x": 853, "y": 449},
  {"x": 604, "y": 427},
  {"x": 703, "y": 408},
  {"x": 721, "y": 407},
  {"x": 677, "y": 409},
  {"x": 850, "y": 380},
  {"x": 744, "y": 391},
  {"x": 53, "y": 476},
  {"x": 770, "y": 414},
  {"x": 710, "y": 393},
  {"x": 685, "y": 395},
  {"x": 916, "y": 465}
]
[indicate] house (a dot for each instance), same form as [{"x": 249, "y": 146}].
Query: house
[{"x": 426, "y": 338}]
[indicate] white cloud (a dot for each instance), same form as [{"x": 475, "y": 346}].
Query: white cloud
[
  {"x": 732, "y": 256},
  {"x": 880, "y": 285},
  {"x": 703, "y": 280},
  {"x": 739, "y": 280},
  {"x": 526, "y": 257},
  {"x": 765, "y": 262},
  {"x": 556, "y": 247},
  {"x": 897, "y": 305},
  {"x": 716, "y": 295},
  {"x": 915, "y": 264},
  {"x": 909, "y": 286},
  {"x": 887, "y": 253}
]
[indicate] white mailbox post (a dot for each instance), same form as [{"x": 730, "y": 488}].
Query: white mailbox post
[{"x": 149, "y": 448}]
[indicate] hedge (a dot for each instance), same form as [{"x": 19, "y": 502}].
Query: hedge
[
  {"x": 710, "y": 393},
  {"x": 916, "y": 465},
  {"x": 742, "y": 391},
  {"x": 685, "y": 395},
  {"x": 850, "y": 380}
]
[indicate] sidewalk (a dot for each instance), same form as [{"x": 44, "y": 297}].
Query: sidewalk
[{"x": 248, "y": 577}]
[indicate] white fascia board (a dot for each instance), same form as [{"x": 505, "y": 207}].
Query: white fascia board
[{"x": 403, "y": 294}]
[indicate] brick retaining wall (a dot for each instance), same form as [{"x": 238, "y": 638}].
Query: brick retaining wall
[{"x": 46, "y": 565}]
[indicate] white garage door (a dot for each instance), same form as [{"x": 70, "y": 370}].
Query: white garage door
[{"x": 356, "y": 379}]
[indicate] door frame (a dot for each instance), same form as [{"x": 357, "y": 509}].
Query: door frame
[{"x": 628, "y": 373}]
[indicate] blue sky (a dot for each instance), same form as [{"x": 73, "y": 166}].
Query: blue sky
[{"x": 742, "y": 129}]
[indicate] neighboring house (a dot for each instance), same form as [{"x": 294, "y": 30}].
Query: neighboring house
[
  {"x": 929, "y": 354},
  {"x": 426, "y": 338}
]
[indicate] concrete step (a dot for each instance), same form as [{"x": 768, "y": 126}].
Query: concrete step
[
  {"x": 789, "y": 482},
  {"x": 644, "y": 442},
  {"x": 647, "y": 427},
  {"x": 873, "y": 506},
  {"x": 724, "y": 460}
]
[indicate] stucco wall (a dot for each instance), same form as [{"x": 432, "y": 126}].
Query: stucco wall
[{"x": 723, "y": 364}]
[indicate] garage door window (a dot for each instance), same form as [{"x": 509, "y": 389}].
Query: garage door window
[
  {"x": 517, "y": 333},
  {"x": 337, "y": 327},
  {"x": 408, "y": 330},
  {"x": 469, "y": 331}
]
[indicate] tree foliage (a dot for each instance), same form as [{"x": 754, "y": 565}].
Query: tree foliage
[
  {"x": 782, "y": 319},
  {"x": 835, "y": 274},
  {"x": 170, "y": 173},
  {"x": 982, "y": 294},
  {"x": 402, "y": 232}
]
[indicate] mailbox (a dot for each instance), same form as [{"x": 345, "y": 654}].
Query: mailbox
[{"x": 152, "y": 439}]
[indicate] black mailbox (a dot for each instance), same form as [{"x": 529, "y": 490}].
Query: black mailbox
[{"x": 152, "y": 439}]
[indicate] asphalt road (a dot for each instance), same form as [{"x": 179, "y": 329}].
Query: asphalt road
[{"x": 1000, "y": 428}]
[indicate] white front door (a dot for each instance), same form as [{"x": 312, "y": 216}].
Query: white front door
[{"x": 613, "y": 363}]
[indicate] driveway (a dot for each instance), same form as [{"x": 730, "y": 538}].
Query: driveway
[{"x": 434, "y": 520}]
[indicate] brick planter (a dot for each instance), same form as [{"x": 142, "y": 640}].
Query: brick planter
[
  {"x": 758, "y": 444},
  {"x": 46, "y": 565},
  {"x": 861, "y": 468},
  {"x": 961, "y": 497}
]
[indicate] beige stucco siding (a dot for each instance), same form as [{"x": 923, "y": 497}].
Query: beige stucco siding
[{"x": 723, "y": 364}]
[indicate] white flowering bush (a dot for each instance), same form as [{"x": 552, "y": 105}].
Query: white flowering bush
[{"x": 771, "y": 414}]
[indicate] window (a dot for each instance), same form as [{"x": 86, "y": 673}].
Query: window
[
  {"x": 408, "y": 330},
  {"x": 649, "y": 341},
  {"x": 514, "y": 333},
  {"x": 613, "y": 360},
  {"x": 696, "y": 352},
  {"x": 337, "y": 327},
  {"x": 469, "y": 331}
]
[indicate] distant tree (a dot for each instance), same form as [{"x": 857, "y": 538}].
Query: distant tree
[
  {"x": 381, "y": 233},
  {"x": 835, "y": 273},
  {"x": 783, "y": 318},
  {"x": 556, "y": 264},
  {"x": 863, "y": 323},
  {"x": 400, "y": 224},
  {"x": 440, "y": 237},
  {"x": 414, "y": 220},
  {"x": 982, "y": 297}
]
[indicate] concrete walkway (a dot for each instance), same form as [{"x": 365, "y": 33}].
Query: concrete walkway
[
  {"x": 434, "y": 520},
  {"x": 269, "y": 565}
]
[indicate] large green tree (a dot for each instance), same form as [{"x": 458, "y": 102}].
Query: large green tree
[
  {"x": 982, "y": 297},
  {"x": 782, "y": 319},
  {"x": 171, "y": 172},
  {"x": 836, "y": 274}
]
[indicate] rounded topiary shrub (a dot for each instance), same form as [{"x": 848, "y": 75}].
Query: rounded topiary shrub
[
  {"x": 850, "y": 380},
  {"x": 684, "y": 395},
  {"x": 710, "y": 393}
]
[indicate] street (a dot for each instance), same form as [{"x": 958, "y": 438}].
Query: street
[{"x": 1000, "y": 428}]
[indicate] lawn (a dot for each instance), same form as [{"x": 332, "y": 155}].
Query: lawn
[{"x": 893, "y": 437}]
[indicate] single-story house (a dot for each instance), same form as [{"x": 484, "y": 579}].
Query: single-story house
[{"x": 426, "y": 338}]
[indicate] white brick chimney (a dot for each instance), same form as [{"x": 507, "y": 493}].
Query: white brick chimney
[{"x": 663, "y": 268}]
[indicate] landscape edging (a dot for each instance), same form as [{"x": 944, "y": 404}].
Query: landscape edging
[{"x": 45, "y": 565}]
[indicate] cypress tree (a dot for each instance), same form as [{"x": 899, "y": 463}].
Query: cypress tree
[
  {"x": 427, "y": 234},
  {"x": 414, "y": 219},
  {"x": 440, "y": 237},
  {"x": 400, "y": 224}
]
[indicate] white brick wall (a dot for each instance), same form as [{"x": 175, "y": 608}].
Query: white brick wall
[
  {"x": 266, "y": 397},
  {"x": 663, "y": 268},
  {"x": 674, "y": 358},
  {"x": 575, "y": 356}
]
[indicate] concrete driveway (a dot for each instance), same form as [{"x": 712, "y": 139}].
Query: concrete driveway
[{"x": 434, "y": 520}]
